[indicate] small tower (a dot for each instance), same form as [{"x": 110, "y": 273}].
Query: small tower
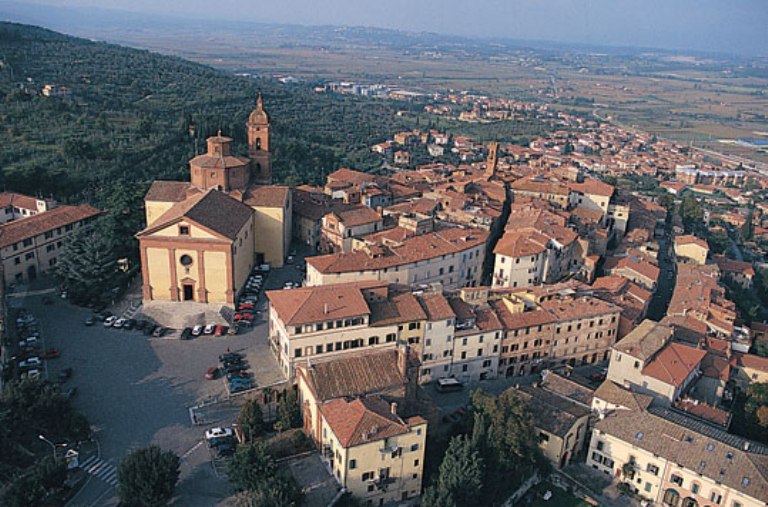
[
  {"x": 492, "y": 163},
  {"x": 258, "y": 144}
]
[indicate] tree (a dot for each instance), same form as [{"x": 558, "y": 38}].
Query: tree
[
  {"x": 147, "y": 477},
  {"x": 667, "y": 201},
  {"x": 251, "y": 419},
  {"x": 47, "y": 474},
  {"x": 692, "y": 214},
  {"x": 87, "y": 267},
  {"x": 460, "y": 482},
  {"x": 254, "y": 471},
  {"x": 250, "y": 465},
  {"x": 288, "y": 412},
  {"x": 718, "y": 242}
]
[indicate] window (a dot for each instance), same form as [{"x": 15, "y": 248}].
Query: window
[
  {"x": 716, "y": 497},
  {"x": 676, "y": 479},
  {"x": 352, "y": 464},
  {"x": 671, "y": 497},
  {"x": 414, "y": 447},
  {"x": 17, "y": 260},
  {"x": 29, "y": 255},
  {"x": 27, "y": 242},
  {"x": 695, "y": 488},
  {"x": 297, "y": 352},
  {"x": 653, "y": 469},
  {"x": 648, "y": 487},
  {"x": 368, "y": 476},
  {"x": 600, "y": 445},
  {"x": 414, "y": 325},
  {"x": 183, "y": 230},
  {"x": 415, "y": 462}
]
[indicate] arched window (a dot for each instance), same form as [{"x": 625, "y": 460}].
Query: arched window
[
  {"x": 690, "y": 502},
  {"x": 671, "y": 497},
  {"x": 258, "y": 144},
  {"x": 185, "y": 260}
]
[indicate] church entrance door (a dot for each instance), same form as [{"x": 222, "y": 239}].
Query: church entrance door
[{"x": 189, "y": 292}]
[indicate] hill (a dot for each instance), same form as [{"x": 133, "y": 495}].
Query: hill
[{"x": 134, "y": 116}]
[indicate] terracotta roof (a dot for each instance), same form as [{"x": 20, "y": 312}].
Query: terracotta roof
[
  {"x": 208, "y": 161},
  {"x": 411, "y": 250},
  {"x": 315, "y": 205},
  {"x": 213, "y": 210},
  {"x": 644, "y": 340},
  {"x": 322, "y": 303},
  {"x": 521, "y": 244},
  {"x": 593, "y": 187},
  {"x": 531, "y": 185},
  {"x": 750, "y": 361},
  {"x": 674, "y": 363},
  {"x": 552, "y": 413},
  {"x": 362, "y": 420},
  {"x": 396, "y": 309},
  {"x": 732, "y": 266},
  {"x": 355, "y": 375},
  {"x": 721, "y": 454},
  {"x": 350, "y": 176},
  {"x": 359, "y": 215},
  {"x": 436, "y": 307},
  {"x": 690, "y": 239},
  {"x": 18, "y": 200},
  {"x": 566, "y": 387},
  {"x": 167, "y": 191},
  {"x": 268, "y": 196},
  {"x": 643, "y": 268},
  {"x": 614, "y": 394},
  {"x": 521, "y": 320},
  {"x": 35, "y": 225},
  {"x": 581, "y": 307}
]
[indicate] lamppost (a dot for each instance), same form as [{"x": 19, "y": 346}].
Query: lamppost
[{"x": 53, "y": 446}]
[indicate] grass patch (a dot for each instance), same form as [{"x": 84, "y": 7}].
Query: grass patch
[{"x": 559, "y": 497}]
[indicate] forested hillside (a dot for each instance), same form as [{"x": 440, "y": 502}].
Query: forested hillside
[{"x": 134, "y": 116}]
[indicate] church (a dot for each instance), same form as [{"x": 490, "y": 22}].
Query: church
[{"x": 203, "y": 237}]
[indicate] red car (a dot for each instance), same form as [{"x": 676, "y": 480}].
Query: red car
[
  {"x": 212, "y": 373},
  {"x": 220, "y": 331},
  {"x": 245, "y": 306},
  {"x": 50, "y": 354},
  {"x": 244, "y": 316}
]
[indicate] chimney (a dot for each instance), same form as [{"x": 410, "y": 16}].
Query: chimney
[
  {"x": 393, "y": 408},
  {"x": 325, "y": 308},
  {"x": 402, "y": 360}
]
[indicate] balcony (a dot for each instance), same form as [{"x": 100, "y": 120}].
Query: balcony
[{"x": 382, "y": 483}]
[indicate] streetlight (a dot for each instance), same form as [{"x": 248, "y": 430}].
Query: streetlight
[{"x": 53, "y": 446}]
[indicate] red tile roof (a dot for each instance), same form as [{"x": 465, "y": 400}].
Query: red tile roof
[
  {"x": 362, "y": 420},
  {"x": 674, "y": 363},
  {"x": 35, "y": 225}
]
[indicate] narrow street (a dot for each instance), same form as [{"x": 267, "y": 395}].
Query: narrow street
[{"x": 666, "y": 283}]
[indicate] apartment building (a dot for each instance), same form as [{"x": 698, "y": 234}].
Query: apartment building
[
  {"x": 326, "y": 321},
  {"x": 31, "y": 246},
  {"x": 14, "y": 206},
  {"x": 452, "y": 257},
  {"x": 374, "y": 454},
  {"x": 476, "y": 343},
  {"x": 437, "y": 345},
  {"x": 646, "y": 361},
  {"x": 672, "y": 460},
  {"x": 340, "y": 227},
  {"x": 692, "y": 248}
]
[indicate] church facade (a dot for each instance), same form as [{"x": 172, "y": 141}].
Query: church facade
[{"x": 203, "y": 237}]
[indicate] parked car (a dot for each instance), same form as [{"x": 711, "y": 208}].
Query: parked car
[
  {"x": 218, "y": 432},
  {"x": 89, "y": 321},
  {"x": 230, "y": 356},
  {"x": 197, "y": 330},
  {"x": 33, "y": 373},
  {"x": 119, "y": 323},
  {"x": 28, "y": 342},
  {"x": 103, "y": 315},
  {"x": 212, "y": 373},
  {"x": 159, "y": 331},
  {"x": 288, "y": 285},
  {"x": 225, "y": 449},
  {"x": 245, "y": 306},
  {"x": 209, "y": 329},
  {"x": 129, "y": 324},
  {"x": 221, "y": 331},
  {"x": 289, "y": 260},
  {"x": 52, "y": 353},
  {"x": 232, "y": 368},
  {"x": 110, "y": 321},
  {"x": 244, "y": 316},
  {"x": 30, "y": 362},
  {"x": 186, "y": 333},
  {"x": 236, "y": 388}
]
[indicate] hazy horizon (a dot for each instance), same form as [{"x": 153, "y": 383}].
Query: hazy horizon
[{"x": 739, "y": 26}]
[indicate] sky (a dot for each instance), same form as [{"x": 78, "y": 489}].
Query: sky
[{"x": 729, "y": 26}]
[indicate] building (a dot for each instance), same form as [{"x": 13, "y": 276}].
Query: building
[
  {"x": 328, "y": 321},
  {"x": 203, "y": 237},
  {"x": 14, "y": 206},
  {"x": 199, "y": 250},
  {"x": 476, "y": 342},
  {"x": 647, "y": 361},
  {"x": 31, "y": 246},
  {"x": 452, "y": 257},
  {"x": 340, "y": 227},
  {"x": 437, "y": 343},
  {"x": 389, "y": 373},
  {"x": 692, "y": 248},
  {"x": 374, "y": 454},
  {"x": 561, "y": 409},
  {"x": 672, "y": 460}
]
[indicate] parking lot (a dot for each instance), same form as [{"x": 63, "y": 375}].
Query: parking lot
[{"x": 137, "y": 390}]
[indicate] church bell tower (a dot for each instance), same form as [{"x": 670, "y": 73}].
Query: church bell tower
[{"x": 258, "y": 144}]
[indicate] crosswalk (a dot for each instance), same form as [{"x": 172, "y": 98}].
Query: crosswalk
[{"x": 97, "y": 467}]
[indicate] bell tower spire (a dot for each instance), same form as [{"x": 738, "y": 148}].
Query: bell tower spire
[{"x": 258, "y": 144}]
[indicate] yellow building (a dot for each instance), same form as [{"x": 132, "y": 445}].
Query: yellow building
[
  {"x": 200, "y": 250},
  {"x": 204, "y": 236},
  {"x": 373, "y": 453},
  {"x": 691, "y": 247}
]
